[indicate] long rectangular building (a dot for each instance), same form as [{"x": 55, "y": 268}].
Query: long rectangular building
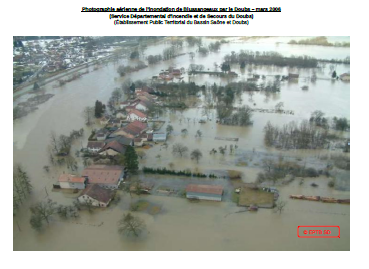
[
  {"x": 108, "y": 176},
  {"x": 204, "y": 192}
]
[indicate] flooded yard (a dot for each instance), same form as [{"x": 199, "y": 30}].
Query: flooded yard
[{"x": 182, "y": 225}]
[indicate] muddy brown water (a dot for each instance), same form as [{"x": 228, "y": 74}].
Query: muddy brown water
[{"x": 183, "y": 225}]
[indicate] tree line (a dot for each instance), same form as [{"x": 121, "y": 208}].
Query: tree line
[
  {"x": 270, "y": 58},
  {"x": 22, "y": 187},
  {"x": 165, "y": 171}
]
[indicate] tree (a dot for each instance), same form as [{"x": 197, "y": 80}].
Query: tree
[
  {"x": 131, "y": 159},
  {"x": 43, "y": 210},
  {"x": 192, "y": 55},
  {"x": 116, "y": 96},
  {"x": 36, "y": 222},
  {"x": 130, "y": 224},
  {"x": 184, "y": 132},
  {"x": 196, "y": 155},
  {"x": 99, "y": 109},
  {"x": 198, "y": 134},
  {"x": 279, "y": 106},
  {"x": 121, "y": 70},
  {"x": 179, "y": 149},
  {"x": 268, "y": 164},
  {"x": 169, "y": 129},
  {"x": 88, "y": 113},
  {"x": 279, "y": 206},
  {"x": 334, "y": 74},
  {"x": 54, "y": 142}
]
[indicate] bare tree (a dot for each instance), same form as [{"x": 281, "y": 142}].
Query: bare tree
[
  {"x": 279, "y": 206},
  {"x": 179, "y": 149},
  {"x": 54, "y": 142},
  {"x": 268, "y": 164},
  {"x": 196, "y": 155},
  {"x": 88, "y": 113},
  {"x": 44, "y": 210},
  {"x": 130, "y": 224},
  {"x": 198, "y": 134}
]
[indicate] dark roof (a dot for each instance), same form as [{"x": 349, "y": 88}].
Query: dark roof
[
  {"x": 98, "y": 193},
  {"x": 114, "y": 145},
  {"x": 95, "y": 144},
  {"x": 121, "y": 139}
]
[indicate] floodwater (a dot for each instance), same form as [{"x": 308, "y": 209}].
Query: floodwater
[{"x": 183, "y": 225}]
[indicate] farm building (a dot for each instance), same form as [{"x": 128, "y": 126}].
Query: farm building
[
  {"x": 204, "y": 192},
  {"x": 159, "y": 137},
  {"x": 68, "y": 181},
  {"x": 345, "y": 77},
  {"x": 107, "y": 176},
  {"x": 96, "y": 195}
]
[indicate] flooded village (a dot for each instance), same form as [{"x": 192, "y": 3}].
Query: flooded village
[{"x": 181, "y": 143}]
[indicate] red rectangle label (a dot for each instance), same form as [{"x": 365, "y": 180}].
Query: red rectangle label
[{"x": 315, "y": 232}]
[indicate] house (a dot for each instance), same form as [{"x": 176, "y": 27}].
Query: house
[
  {"x": 68, "y": 181},
  {"x": 97, "y": 195},
  {"x": 134, "y": 115},
  {"x": 102, "y": 134},
  {"x": 125, "y": 141},
  {"x": 141, "y": 106},
  {"x": 293, "y": 76},
  {"x": 114, "y": 123},
  {"x": 159, "y": 137},
  {"x": 108, "y": 176},
  {"x": 104, "y": 120},
  {"x": 138, "y": 142},
  {"x": 204, "y": 192},
  {"x": 121, "y": 115},
  {"x": 95, "y": 146},
  {"x": 132, "y": 129},
  {"x": 345, "y": 77},
  {"x": 112, "y": 148},
  {"x": 124, "y": 104}
]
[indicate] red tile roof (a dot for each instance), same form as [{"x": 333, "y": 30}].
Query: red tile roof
[
  {"x": 139, "y": 124},
  {"x": 103, "y": 174},
  {"x": 211, "y": 189},
  {"x": 138, "y": 113},
  {"x": 71, "y": 178}
]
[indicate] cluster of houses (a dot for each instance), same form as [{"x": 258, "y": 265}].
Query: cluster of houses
[
  {"x": 98, "y": 183},
  {"x": 129, "y": 127},
  {"x": 51, "y": 55}
]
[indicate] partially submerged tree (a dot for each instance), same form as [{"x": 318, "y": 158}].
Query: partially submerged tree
[
  {"x": 198, "y": 134},
  {"x": 179, "y": 149},
  {"x": 88, "y": 114},
  {"x": 169, "y": 129},
  {"x": 184, "y": 132},
  {"x": 279, "y": 206},
  {"x": 196, "y": 155},
  {"x": 42, "y": 211},
  {"x": 130, "y": 224}
]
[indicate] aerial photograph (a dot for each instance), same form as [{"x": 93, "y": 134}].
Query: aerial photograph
[{"x": 181, "y": 143}]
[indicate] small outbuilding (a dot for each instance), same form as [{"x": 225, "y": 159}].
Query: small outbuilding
[
  {"x": 68, "y": 181},
  {"x": 204, "y": 192},
  {"x": 159, "y": 137}
]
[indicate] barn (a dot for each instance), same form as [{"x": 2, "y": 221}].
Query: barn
[{"x": 204, "y": 192}]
